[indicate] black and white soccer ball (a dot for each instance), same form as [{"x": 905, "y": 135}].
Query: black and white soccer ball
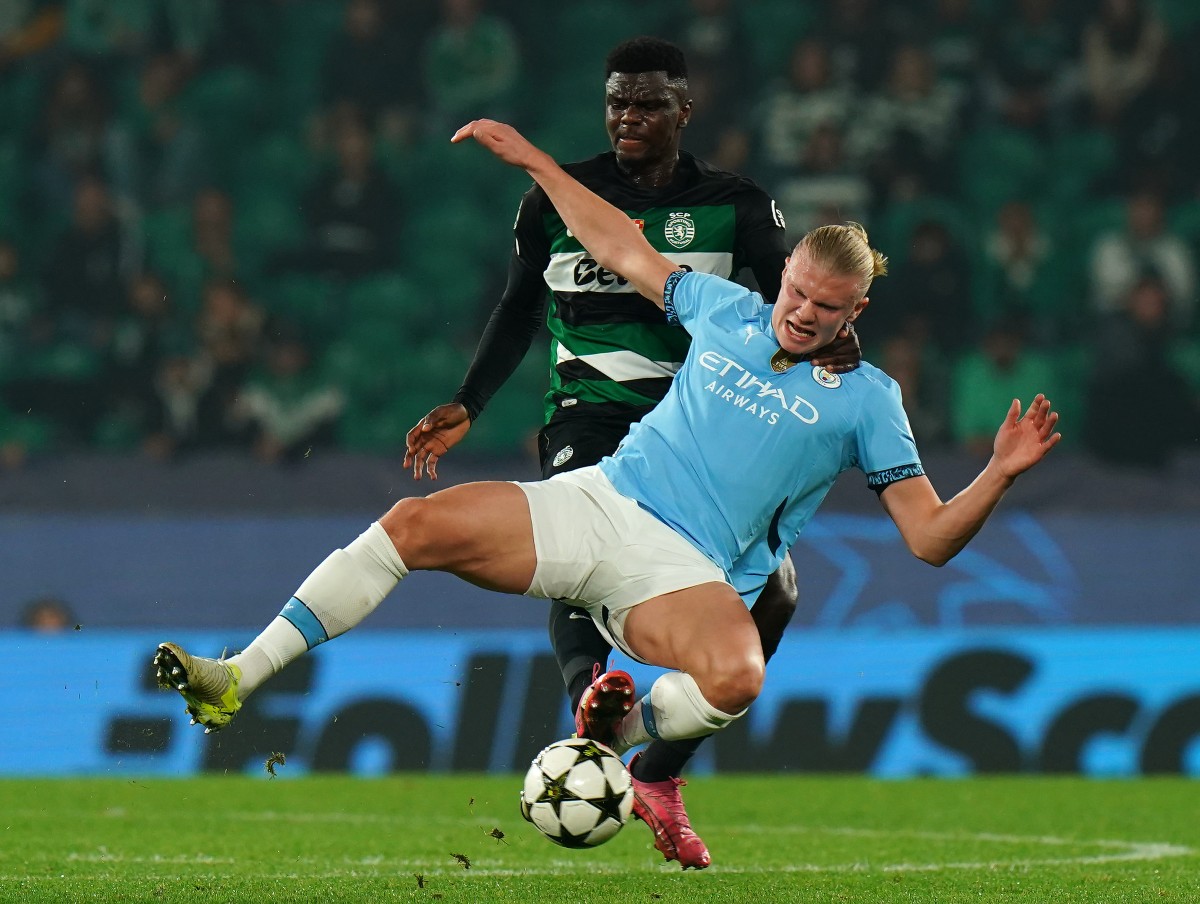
[{"x": 577, "y": 793}]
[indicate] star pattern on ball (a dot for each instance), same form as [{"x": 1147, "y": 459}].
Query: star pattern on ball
[
  {"x": 591, "y": 751},
  {"x": 555, "y": 792},
  {"x": 577, "y": 793},
  {"x": 570, "y": 840},
  {"x": 610, "y": 804}
]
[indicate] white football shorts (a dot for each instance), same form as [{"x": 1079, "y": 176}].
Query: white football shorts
[{"x": 602, "y": 552}]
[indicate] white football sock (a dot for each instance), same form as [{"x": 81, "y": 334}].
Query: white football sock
[
  {"x": 673, "y": 710},
  {"x": 340, "y": 593}
]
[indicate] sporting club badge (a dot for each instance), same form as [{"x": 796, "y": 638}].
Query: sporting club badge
[
  {"x": 680, "y": 230},
  {"x": 563, "y": 456}
]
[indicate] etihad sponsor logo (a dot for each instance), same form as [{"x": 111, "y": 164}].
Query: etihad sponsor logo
[
  {"x": 680, "y": 230},
  {"x": 761, "y": 398}
]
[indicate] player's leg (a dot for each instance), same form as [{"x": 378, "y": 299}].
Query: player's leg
[
  {"x": 598, "y": 698},
  {"x": 480, "y": 532},
  {"x": 657, "y": 768},
  {"x": 638, "y": 575},
  {"x": 707, "y": 637},
  {"x": 707, "y": 632},
  {"x": 579, "y": 648},
  {"x": 772, "y": 611},
  {"x": 775, "y": 606}
]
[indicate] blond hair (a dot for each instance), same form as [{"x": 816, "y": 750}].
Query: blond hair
[{"x": 845, "y": 249}]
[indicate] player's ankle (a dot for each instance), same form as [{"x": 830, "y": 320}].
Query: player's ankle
[
  {"x": 645, "y": 770},
  {"x": 580, "y": 681}
]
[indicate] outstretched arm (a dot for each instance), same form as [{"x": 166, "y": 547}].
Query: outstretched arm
[
  {"x": 606, "y": 232},
  {"x": 936, "y": 531}
]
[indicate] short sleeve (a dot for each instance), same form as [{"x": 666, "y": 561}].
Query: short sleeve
[
  {"x": 886, "y": 450},
  {"x": 687, "y": 295}
]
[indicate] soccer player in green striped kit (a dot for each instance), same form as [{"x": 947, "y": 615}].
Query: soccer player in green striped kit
[{"x": 614, "y": 354}]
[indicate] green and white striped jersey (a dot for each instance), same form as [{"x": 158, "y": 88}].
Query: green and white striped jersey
[
  {"x": 613, "y": 354},
  {"x": 611, "y": 347}
]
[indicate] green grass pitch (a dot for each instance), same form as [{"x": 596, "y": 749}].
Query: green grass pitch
[{"x": 433, "y": 838}]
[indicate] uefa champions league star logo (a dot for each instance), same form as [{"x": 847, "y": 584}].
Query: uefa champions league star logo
[
  {"x": 1019, "y": 571},
  {"x": 680, "y": 230}
]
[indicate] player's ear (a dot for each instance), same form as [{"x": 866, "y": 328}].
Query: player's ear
[
  {"x": 858, "y": 309},
  {"x": 685, "y": 114}
]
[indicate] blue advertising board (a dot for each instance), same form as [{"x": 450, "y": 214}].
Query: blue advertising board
[
  {"x": 1094, "y": 701},
  {"x": 854, "y": 572}
]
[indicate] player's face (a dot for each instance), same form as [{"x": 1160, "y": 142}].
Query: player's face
[
  {"x": 644, "y": 116},
  {"x": 813, "y": 304}
]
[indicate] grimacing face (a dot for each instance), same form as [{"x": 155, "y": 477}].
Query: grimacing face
[
  {"x": 813, "y": 304},
  {"x": 644, "y": 116}
]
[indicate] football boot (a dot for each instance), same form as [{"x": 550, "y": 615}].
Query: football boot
[
  {"x": 209, "y": 686},
  {"x": 660, "y": 806},
  {"x": 603, "y": 705}
]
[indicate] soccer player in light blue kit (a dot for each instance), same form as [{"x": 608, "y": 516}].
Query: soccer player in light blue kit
[
  {"x": 739, "y": 393},
  {"x": 700, "y": 500}
]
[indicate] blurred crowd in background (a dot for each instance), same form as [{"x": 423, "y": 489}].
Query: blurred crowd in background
[{"x": 239, "y": 223}]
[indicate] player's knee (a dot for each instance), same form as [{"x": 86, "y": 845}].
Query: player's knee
[
  {"x": 736, "y": 682},
  {"x": 409, "y": 524}
]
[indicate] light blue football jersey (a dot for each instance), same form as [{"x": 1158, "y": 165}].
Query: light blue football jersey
[{"x": 737, "y": 458}]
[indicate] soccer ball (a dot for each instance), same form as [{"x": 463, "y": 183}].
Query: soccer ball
[{"x": 577, "y": 793}]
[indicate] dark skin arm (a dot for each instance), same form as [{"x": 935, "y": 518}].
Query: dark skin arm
[{"x": 505, "y": 340}]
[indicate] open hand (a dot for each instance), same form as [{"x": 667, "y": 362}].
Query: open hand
[
  {"x": 1024, "y": 441},
  {"x": 502, "y": 140},
  {"x": 433, "y": 436}
]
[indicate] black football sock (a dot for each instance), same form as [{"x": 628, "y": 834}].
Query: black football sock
[
  {"x": 578, "y": 646},
  {"x": 662, "y": 760}
]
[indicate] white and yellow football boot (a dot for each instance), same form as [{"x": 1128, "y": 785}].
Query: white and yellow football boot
[{"x": 210, "y": 686}]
